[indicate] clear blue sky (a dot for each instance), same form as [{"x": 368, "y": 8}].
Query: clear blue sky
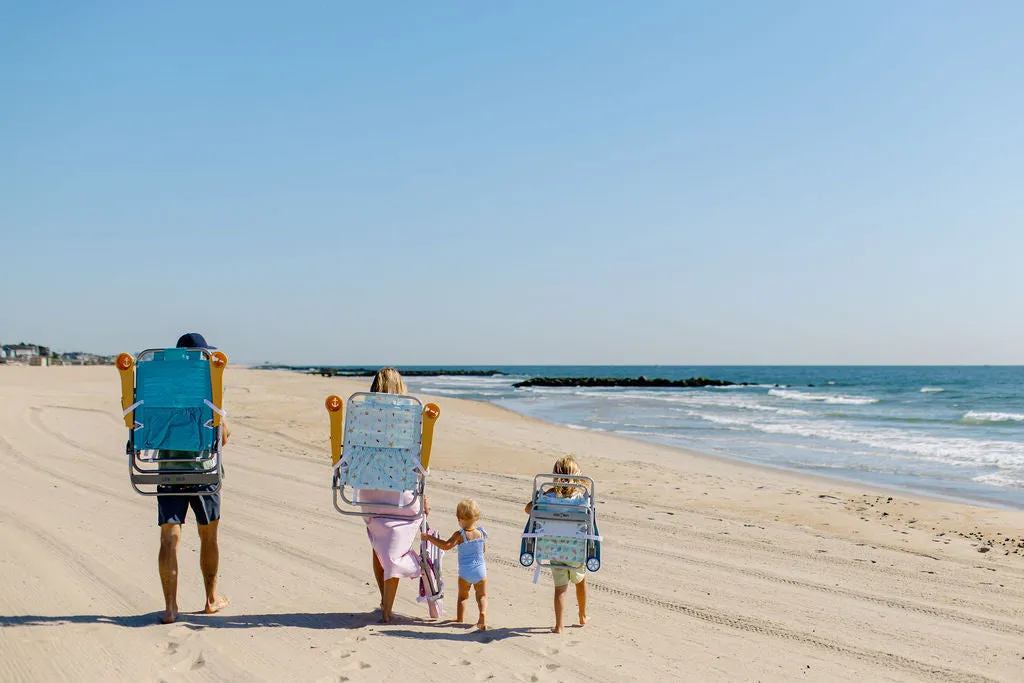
[{"x": 527, "y": 182}]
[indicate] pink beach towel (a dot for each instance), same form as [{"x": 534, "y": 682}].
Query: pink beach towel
[{"x": 392, "y": 538}]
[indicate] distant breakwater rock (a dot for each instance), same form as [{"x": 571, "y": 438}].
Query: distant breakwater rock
[
  {"x": 626, "y": 382},
  {"x": 370, "y": 372}
]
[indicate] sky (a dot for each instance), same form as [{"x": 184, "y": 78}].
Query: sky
[{"x": 516, "y": 183}]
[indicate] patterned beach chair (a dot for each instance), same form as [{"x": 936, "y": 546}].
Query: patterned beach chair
[
  {"x": 561, "y": 531},
  {"x": 380, "y": 461},
  {"x": 172, "y": 402}
]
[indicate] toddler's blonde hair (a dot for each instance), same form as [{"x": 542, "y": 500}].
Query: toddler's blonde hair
[
  {"x": 566, "y": 465},
  {"x": 468, "y": 510},
  {"x": 388, "y": 381}
]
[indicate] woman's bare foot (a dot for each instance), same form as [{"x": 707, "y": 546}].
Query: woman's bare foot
[
  {"x": 170, "y": 616},
  {"x": 218, "y": 603}
]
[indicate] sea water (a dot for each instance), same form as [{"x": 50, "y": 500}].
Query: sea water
[{"x": 955, "y": 432}]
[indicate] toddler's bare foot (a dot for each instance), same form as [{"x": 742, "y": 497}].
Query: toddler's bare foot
[
  {"x": 219, "y": 603},
  {"x": 584, "y": 619}
]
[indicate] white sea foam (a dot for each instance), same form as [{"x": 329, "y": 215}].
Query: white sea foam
[
  {"x": 978, "y": 416},
  {"x": 1013, "y": 478},
  {"x": 931, "y": 390},
  {"x": 806, "y": 397},
  {"x": 955, "y": 451},
  {"x": 460, "y": 392}
]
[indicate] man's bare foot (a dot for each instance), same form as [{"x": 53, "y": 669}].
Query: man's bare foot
[
  {"x": 170, "y": 616},
  {"x": 556, "y": 629},
  {"x": 584, "y": 619},
  {"x": 217, "y": 605}
]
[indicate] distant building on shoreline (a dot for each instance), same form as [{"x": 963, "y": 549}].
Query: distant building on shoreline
[{"x": 42, "y": 356}]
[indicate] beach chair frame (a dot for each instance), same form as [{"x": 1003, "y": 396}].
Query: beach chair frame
[
  {"x": 344, "y": 427},
  {"x": 144, "y": 471},
  {"x": 431, "y": 577},
  {"x": 562, "y": 514}
]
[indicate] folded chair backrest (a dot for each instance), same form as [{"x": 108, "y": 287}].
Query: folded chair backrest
[
  {"x": 562, "y": 530},
  {"x": 173, "y": 401},
  {"x": 380, "y": 449},
  {"x": 383, "y": 434},
  {"x": 172, "y": 406}
]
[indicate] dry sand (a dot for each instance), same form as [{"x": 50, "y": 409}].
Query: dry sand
[{"x": 714, "y": 570}]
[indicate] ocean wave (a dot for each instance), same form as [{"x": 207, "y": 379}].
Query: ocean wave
[
  {"x": 955, "y": 451},
  {"x": 982, "y": 417},
  {"x": 459, "y": 393},
  {"x": 931, "y": 390},
  {"x": 1009, "y": 478},
  {"x": 841, "y": 399}
]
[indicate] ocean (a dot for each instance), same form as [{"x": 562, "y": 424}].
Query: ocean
[{"x": 951, "y": 432}]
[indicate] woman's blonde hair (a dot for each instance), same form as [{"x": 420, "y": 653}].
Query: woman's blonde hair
[
  {"x": 468, "y": 510},
  {"x": 388, "y": 381},
  {"x": 566, "y": 465}
]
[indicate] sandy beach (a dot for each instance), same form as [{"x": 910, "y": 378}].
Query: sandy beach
[{"x": 713, "y": 570}]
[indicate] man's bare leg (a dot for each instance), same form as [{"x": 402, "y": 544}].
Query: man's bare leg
[
  {"x": 209, "y": 561},
  {"x": 390, "y": 591},
  {"x": 481, "y": 603},
  {"x": 581, "y": 600},
  {"x": 170, "y": 534},
  {"x": 560, "y": 592}
]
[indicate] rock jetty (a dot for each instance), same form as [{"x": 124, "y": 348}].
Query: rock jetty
[
  {"x": 626, "y": 382},
  {"x": 370, "y": 372}
]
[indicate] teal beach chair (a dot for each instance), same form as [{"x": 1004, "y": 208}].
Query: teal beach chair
[{"x": 172, "y": 405}]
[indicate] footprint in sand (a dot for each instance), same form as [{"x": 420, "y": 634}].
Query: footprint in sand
[
  {"x": 484, "y": 676},
  {"x": 552, "y": 667},
  {"x": 573, "y": 643},
  {"x": 199, "y": 663},
  {"x": 551, "y": 651}
]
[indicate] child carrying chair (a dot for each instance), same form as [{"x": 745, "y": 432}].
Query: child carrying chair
[
  {"x": 380, "y": 451},
  {"x": 561, "y": 533}
]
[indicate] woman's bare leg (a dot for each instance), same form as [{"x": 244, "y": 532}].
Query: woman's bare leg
[
  {"x": 378, "y": 573},
  {"x": 390, "y": 591}
]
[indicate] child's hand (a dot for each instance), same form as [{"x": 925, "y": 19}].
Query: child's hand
[{"x": 424, "y": 536}]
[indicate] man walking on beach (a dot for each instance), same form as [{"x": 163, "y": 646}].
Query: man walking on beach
[{"x": 171, "y": 513}]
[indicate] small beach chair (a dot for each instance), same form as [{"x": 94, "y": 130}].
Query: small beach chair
[
  {"x": 172, "y": 403},
  {"x": 562, "y": 531},
  {"x": 380, "y": 452},
  {"x": 431, "y": 578}
]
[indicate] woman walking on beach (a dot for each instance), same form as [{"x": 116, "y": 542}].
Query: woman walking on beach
[{"x": 391, "y": 537}]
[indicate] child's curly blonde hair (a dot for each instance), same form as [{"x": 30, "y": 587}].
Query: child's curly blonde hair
[
  {"x": 566, "y": 465},
  {"x": 468, "y": 510}
]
